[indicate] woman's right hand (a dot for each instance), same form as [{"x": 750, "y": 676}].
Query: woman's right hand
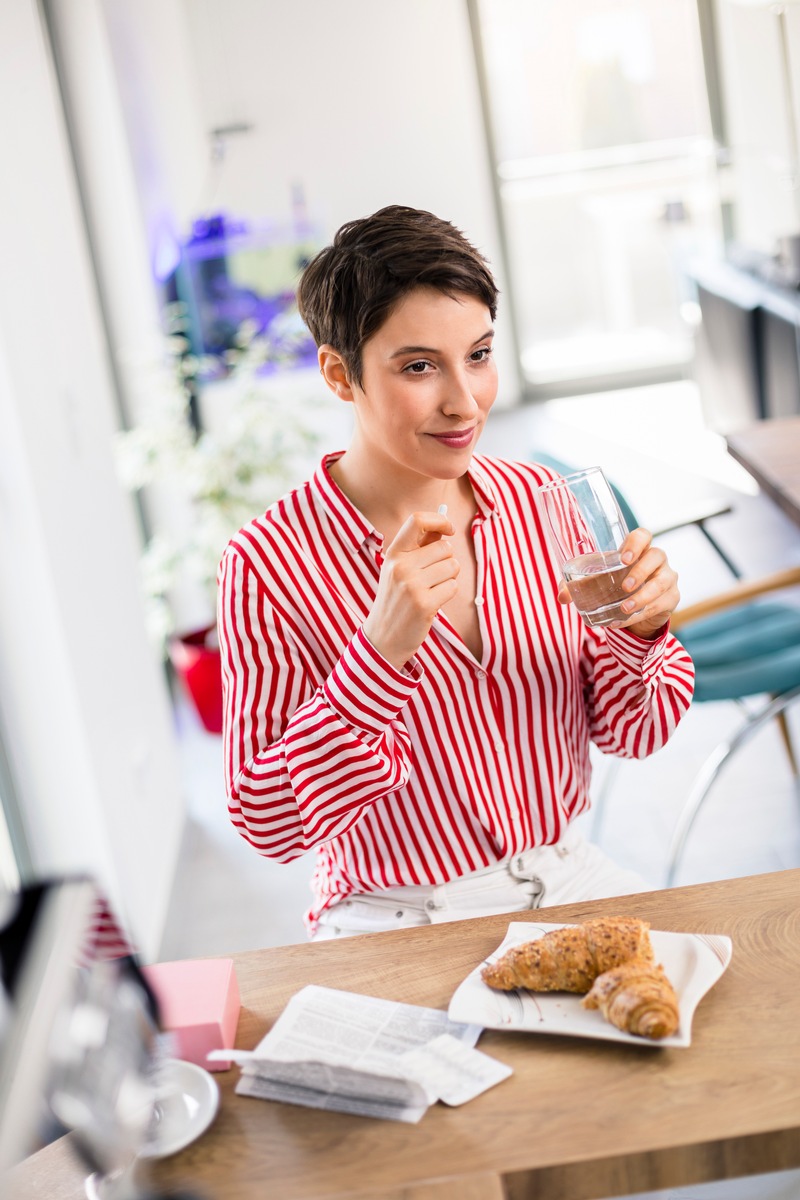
[{"x": 418, "y": 577}]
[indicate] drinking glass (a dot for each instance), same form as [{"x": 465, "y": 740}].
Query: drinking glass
[{"x": 587, "y": 530}]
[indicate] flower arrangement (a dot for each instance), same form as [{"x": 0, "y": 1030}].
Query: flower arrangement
[{"x": 207, "y": 483}]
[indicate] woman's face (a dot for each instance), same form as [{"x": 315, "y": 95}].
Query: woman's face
[{"x": 428, "y": 383}]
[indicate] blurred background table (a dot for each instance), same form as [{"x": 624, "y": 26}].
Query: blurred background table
[{"x": 770, "y": 451}]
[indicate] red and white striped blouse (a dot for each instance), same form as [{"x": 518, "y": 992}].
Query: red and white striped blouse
[{"x": 421, "y": 775}]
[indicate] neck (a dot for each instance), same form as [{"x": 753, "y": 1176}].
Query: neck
[{"x": 386, "y": 503}]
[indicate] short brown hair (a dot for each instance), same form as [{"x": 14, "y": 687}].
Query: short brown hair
[{"x": 350, "y": 288}]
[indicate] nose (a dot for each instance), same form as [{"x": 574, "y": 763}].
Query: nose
[{"x": 459, "y": 400}]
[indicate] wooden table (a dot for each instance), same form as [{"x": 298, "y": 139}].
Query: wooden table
[
  {"x": 770, "y": 451},
  {"x": 577, "y": 1119}
]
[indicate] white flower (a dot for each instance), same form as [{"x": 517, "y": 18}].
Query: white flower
[{"x": 224, "y": 476}]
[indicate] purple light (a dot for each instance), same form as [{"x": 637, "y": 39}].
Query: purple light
[{"x": 166, "y": 255}]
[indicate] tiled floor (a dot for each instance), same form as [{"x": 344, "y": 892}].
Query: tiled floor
[{"x": 652, "y": 441}]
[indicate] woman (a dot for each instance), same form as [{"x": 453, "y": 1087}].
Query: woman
[{"x": 408, "y": 689}]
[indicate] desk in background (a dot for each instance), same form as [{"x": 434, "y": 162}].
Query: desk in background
[
  {"x": 577, "y": 1119},
  {"x": 770, "y": 452},
  {"x": 747, "y": 348}
]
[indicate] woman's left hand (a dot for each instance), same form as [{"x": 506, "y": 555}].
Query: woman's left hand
[{"x": 652, "y": 579}]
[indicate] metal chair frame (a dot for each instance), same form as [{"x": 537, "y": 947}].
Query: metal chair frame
[{"x": 709, "y": 773}]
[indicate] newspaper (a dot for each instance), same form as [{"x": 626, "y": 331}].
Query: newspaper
[{"x": 357, "y": 1054}]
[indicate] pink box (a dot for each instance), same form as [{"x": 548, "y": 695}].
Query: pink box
[{"x": 199, "y": 1001}]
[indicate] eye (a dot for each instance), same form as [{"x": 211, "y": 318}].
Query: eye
[
  {"x": 419, "y": 367},
  {"x": 480, "y": 356}
]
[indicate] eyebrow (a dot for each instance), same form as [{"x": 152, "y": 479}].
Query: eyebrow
[{"x": 432, "y": 350}]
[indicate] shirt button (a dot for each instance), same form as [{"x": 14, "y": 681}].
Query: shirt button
[
  {"x": 479, "y": 601},
  {"x": 480, "y": 674},
  {"x": 499, "y": 747}
]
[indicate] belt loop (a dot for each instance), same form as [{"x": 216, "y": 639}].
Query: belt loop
[
  {"x": 537, "y": 894},
  {"x": 518, "y": 868},
  {"x": 524, "y": 872}
]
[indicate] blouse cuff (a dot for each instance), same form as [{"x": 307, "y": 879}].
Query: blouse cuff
[
  {"x": 365, "y": 690},
  {"x": 642, "y": 657}
]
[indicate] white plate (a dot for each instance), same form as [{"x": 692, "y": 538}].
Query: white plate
[
  {"x": 187, "y": 1102},
  {"x": 693, "y": 962}
]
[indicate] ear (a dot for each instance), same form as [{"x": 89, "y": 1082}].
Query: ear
[{"x": 334, "y": 372}]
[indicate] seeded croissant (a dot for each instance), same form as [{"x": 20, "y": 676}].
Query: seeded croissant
[
  {"x": 571, "y": 958},
  {"x": 636, "y": 997}
]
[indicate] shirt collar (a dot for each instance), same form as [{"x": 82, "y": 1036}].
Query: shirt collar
[
  {"x": 354, "y": 527},
  {"x": 485, "y": 496}
]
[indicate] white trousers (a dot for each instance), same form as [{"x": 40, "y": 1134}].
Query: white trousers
[{"x": 566, "y": 873}]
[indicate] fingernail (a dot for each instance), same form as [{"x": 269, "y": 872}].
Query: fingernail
[
  {"x": 629, "y": 584},
  {"x": 627, "y": 557},
  {"x": 627, "y": 605}
]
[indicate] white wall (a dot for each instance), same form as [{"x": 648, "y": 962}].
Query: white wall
[
  {"x": 158, "y": 92},
  {"x": 362, "y": 102},
  {"x": 141, "y": 151},
  {"x": 100, "y": 134},
  {"x": 84, "y": 702}
]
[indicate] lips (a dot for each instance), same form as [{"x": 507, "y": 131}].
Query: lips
[{"x": 456, "y": 439}]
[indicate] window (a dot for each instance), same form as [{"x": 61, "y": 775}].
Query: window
[{"x": 606, "y": 176}]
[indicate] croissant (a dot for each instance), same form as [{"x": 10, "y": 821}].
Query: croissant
[
  {"x": 636, "y": 997},
  {"x": 571, "y": 958}
]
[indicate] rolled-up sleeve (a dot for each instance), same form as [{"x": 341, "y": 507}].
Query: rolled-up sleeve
[{"x": 636, "y": 691}]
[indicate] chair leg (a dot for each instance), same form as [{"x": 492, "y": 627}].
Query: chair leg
[
  {"x": 783, "y": 725},
  {"x": 734, "y": 570},
  {"x": 711, "y": 769}
]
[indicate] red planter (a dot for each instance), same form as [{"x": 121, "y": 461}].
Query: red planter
[{"x": 197, "y": 665}]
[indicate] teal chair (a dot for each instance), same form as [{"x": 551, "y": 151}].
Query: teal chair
[{"x": 742, "y": 645}]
